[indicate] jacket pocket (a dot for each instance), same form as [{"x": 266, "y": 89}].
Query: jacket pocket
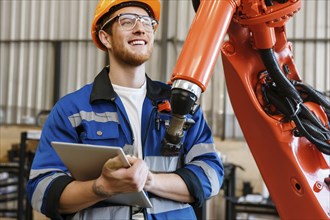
[{"x": 101, "y": 133}]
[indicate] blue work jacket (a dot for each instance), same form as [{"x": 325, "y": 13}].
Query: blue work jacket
[{"x": 95, "y": 115}]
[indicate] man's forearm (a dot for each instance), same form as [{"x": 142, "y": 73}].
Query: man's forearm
[
  {"x": 77, "y": 196},
  {"x": 169, "y": 186}
]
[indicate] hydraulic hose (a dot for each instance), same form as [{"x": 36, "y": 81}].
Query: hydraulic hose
[
  {"x": 288, "y": 99},
  {"x": 275, "y": 72},
  {"x": 314, "y": 96}
]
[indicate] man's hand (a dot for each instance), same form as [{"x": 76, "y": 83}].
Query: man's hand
[{"x": 117, "y": 179}]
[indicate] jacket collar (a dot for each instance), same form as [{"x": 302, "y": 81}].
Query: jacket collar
[{"x": 103, "y": 90}]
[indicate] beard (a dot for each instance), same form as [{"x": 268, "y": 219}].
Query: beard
[{"x": 130, "y": 57}]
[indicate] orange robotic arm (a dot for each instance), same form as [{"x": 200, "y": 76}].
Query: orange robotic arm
[
  {"x": 195, "y": 65},
  {"x": 285, "y": 123}
]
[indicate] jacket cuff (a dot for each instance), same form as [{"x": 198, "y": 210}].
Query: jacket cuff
[
  {"x": 193, "y": 184},
  {"x": 54, "y": 194}
]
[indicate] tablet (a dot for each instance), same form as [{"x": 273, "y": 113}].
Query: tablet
[{"x": 85, "y": 162}]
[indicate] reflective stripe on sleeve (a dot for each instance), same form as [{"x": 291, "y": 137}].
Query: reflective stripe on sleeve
[
  {"x": 38, "y": 194},
  {"x": 199, "y": 149},
  {"x": 36, "y": 173},
  {"x": 211, "y": 175}
]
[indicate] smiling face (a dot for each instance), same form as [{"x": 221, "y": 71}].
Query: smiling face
[{"x": 132, "y": 47}]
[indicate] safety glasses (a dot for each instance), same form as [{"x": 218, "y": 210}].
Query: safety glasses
[{"x": 127, "y": 21}]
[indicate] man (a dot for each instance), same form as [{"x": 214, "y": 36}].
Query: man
[{"x": 121, "y": 108}]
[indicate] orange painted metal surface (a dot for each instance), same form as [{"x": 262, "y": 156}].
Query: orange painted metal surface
[
  {"x": 197, "y": 59},
  {"x": 293, "y": 169}
]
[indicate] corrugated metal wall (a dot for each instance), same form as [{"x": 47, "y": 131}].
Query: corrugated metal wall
[
  {"x": 47, "y": 43},
  {"x": 37, "y": 40}
]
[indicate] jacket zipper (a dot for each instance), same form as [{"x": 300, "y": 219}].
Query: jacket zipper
[{"x": 147, "y": 130}]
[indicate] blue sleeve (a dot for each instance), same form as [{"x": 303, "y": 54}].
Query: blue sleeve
[
  {"x": 203, "y": 171},
  {"x": 48, "y": 175}
]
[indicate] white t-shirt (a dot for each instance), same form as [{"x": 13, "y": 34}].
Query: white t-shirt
[{"x": 133, "y": 98}]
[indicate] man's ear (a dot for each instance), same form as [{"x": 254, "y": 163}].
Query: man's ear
[{"x": 105, "y": 38}]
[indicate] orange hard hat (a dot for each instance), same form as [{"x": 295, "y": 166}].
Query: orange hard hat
[{"x": 104, "y": 6}]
